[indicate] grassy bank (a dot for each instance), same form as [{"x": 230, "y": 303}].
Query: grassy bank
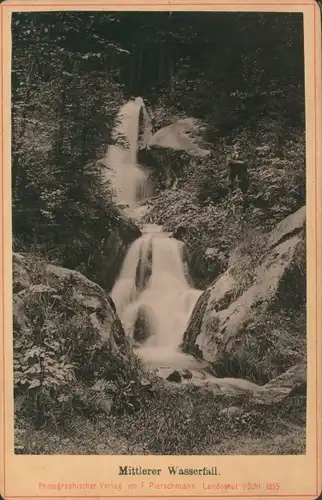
[{"x": 178, "y": 421}]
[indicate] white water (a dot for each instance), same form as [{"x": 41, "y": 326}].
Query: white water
[
  {"x": 153, "y": 282},
  {"x": 129, "y": 180},
  {"x": 152, "y": 286}
]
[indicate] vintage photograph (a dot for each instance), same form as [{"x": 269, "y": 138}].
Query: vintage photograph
[{"x": 159, "y": 244}]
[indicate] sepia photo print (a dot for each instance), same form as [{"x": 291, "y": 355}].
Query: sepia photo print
[{"x": 159, "y": 241}]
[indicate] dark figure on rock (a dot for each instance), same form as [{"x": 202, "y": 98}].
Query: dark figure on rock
[{"x": 237, "y": 174}]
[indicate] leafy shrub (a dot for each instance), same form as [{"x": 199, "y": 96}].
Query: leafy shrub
[
  {"x": 62, "y": 121},
  {"x": 62, "y": 365}
]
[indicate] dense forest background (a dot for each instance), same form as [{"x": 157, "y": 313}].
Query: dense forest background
[{"x": 241, "y": 74}]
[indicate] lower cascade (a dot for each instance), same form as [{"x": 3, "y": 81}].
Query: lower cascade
[{"x": 154, "y": 299}]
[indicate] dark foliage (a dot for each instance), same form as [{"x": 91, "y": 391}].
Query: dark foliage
[
  {"x": 64, "y": 106},
  {"x": 73, "y": 70},
  {"x": 63, "y": 365}
]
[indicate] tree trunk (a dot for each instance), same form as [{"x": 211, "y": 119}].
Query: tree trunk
[
  {"x": 161, "y": 63},
  {"x": 20, "y": 131},
  {"x": 132, "y": 69},
  {"x": 26, "y": 99},
  {"x": 171, "y": 75},
  {"x": 139, "y": 65},
  {"x": 61, "y": 130}
]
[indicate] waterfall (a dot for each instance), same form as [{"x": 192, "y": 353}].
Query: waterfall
[
  {"x": 153, "y": 293},
  {"x": 129, "y": 180}
]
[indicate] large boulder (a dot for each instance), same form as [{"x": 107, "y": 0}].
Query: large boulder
[
  {"x": 21, "y": 278},
  {"x": 92, "y": 301},
  {"x": 289, "y": 384},
  {"x": 170, "y": 149},
  {"x": 179, "y": 137},
  {"x": 258, "y": 332},
  {"x": 292, "y": 225},
  {"x": 69, "y": 344}
]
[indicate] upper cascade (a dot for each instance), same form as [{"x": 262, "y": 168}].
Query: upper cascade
[{"x": 129, "y": 180}]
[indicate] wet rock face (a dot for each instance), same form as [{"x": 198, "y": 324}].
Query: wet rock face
[
  {"x": 189, "y": 344},
  {"x": 144, "y": 269},
  {"x": 164, "y": 165},
  {"x": 174, "y": 376},
  {"x": 260, "y": 332},
  {"x": 180, "y": 232},
  {"x": 110, "y": 258},
  {"x": 142, "y": 329}
]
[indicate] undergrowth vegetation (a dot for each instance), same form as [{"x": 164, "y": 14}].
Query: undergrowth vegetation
[
  {"x": 169, "y": 423},
  {"x": 211, "y": 221},
  {"x": 277, "y": 352},
  {"x": 69, "y": 357}
]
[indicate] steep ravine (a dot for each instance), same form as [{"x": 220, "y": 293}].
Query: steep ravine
[
  {"x": 221, "y": 347},
  {"x": 158, "y": 344}
]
